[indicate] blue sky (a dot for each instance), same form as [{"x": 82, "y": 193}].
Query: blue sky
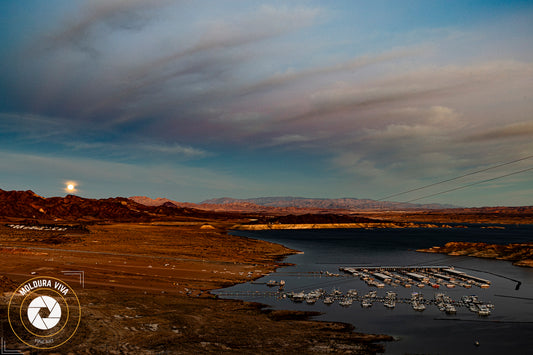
[{"x": 192, "y": 100}]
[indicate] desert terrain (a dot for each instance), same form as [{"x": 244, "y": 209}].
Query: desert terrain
[{"x": 146, "y": 290}]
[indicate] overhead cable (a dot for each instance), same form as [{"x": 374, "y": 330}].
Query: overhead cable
[
  {"x": 472, "y": 184},
  {"x": 454, "y": 178}
]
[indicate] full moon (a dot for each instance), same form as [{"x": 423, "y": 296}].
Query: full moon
[{"x": 70, "y": 186}]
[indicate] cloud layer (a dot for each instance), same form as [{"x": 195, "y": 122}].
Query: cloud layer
[{"x": 293, "y": 86}]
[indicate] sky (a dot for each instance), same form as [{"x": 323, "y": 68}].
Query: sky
[{"x": 192, "y": 100}]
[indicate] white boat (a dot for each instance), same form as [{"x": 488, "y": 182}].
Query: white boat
[
  {"x": 417, "y": 306},
  {"x": 272, "y": 283},
  {"x": 336, "y": 292},
  {"x": 450, "y": 309},
  {"x": 310, "y": 300},
  {"x": 328, "y": 300},
  {"x": 351, "y": 293},
  {"x": 390, "y": 303},
  {"x": 366, "y": 303},
  {"x": 346, "y": 302},
  {"x": 417, "y": 296},
  {"x": 483, "y": 310},
  {"x": 298, "y": 297},
  {"x": 316, "y": 293}
]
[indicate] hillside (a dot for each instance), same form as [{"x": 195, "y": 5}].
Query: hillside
[
  {"x": 27, "y": 204},
  {"x": 160, "y": 201}
]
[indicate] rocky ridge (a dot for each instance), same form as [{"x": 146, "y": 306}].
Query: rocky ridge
[
  {"x": 27, "y": 204},
  {"x": 521, "y": 254}
]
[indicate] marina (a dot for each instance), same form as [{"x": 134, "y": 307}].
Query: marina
[
  {"x": 419, "y": 324},
  {"x": 391, "y": 276}
]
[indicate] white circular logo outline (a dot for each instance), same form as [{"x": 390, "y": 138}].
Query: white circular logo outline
[{"x": 10, "y": 314}]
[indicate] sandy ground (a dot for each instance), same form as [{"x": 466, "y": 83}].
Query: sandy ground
[{"x": 145, "y": 290}]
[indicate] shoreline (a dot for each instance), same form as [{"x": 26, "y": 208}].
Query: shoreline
[
  {"x": 365, "y": 225},
  {"x": 160, "y": 300},
  {"x": 431, "y": 224}
]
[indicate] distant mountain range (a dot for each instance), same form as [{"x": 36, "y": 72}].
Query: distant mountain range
[
  {"x": 262, "y": 204},
  {"x": 16, "y": 205},
  {"x": 326, "y": 203}
]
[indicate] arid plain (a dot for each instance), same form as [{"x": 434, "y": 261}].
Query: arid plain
[{"x": 146, "y": 290}]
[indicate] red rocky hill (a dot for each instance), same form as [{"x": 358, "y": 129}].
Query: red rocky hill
[{"x": 27, "y": 204}]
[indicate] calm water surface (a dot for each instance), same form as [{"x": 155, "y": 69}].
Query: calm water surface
[{"x": 509, "y": 328}]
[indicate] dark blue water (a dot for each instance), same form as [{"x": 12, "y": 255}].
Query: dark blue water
[{"x": 508, "y": 329}]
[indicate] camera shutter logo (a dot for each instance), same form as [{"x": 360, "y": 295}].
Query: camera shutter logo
[{"x": 34, "y": 315}]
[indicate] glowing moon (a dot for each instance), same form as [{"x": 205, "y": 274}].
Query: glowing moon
[{"x": 70, "y": 186}]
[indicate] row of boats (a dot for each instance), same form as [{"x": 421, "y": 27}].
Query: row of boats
[{"x": 390, "y": 299}]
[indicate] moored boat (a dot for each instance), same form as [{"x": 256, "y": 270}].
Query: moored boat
[
  {"x": 390, "y": 303},
  {"x": 346, "y": 302},
  {"x": 310, "y": 300},
  {"x": 366, "y": 303},
  {"x": 450, "y": 309},
  {"x": 417, "y": 306}
]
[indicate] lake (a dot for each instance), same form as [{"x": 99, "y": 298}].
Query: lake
[{"x": 509, "y": 328}]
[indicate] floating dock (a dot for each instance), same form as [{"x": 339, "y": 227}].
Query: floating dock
[{"x": 421, "y": 276}]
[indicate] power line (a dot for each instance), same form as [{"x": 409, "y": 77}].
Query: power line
[
  {"x": 454, "y": 178},
  {"x": 472, "y": 184}
]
